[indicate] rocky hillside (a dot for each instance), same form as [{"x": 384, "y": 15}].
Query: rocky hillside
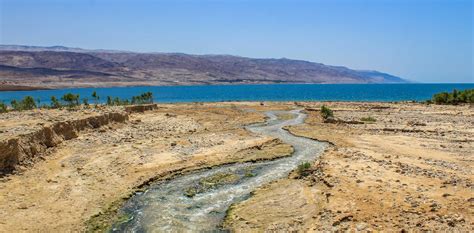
[{"x": 57, "y": 67}]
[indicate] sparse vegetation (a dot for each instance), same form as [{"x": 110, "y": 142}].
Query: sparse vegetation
[
  {"x": 145, "y": 98},
  {"x": 55, "y": 102},
  {"x": 326, "y": 112},
  {"x": 303, "y": 169},
  {"x": 26, "y": 103},
  {"x": 454, "y": 97},
  {"x": 3, "y": 107},
  {"x": 71, "y": 100},
  {"x": 368, "y": 119},
  {"x": 95, "y": 97}
]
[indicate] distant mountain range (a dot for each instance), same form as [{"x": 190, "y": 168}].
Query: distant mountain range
[{"x": 31, "y": 67}]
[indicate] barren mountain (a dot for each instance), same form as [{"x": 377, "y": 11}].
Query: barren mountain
[{"x": 58, "y": 67}]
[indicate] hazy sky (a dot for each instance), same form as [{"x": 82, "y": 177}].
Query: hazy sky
[{"x": 420, "y": 40}]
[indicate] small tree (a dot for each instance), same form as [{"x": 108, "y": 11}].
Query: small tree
[
  {"x": 85, "y": 101},
  {"x": 303, "y": 169},
  {"x": 148, "y": 97},
  {"x": 15, "y": 105},
  {"x": 71, "y": 99},
  {"x": 144, "y": 98},
  {"x": 55, "y": 102},
  {"x": 326, "y": 112},
  {"x": 96, "y": 97},
  {"x": 26, "y": 103},
  {"x": 441, "y": 98},
  {"x": 109, "y": 100},
  {"x": 3, "y": 107}
]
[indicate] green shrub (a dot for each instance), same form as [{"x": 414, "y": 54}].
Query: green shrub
[
  {"x": 326, "y": 112},
  {"x": 109, "y": 100},
  {"x": 368, "y": 119},
  {"x": 145, "y": 98},
  {"x": 55, "y": 102},
  {"x": 26, "y": 103},
  {"x": 303, "y": 169},
  {"x": 117, "y": 101},
  {"x": 455, "y": 97},
  {"x": 71, "y": 99},
  {"x": 3, "y": 107},
  {"x": 95, "y": 97}
]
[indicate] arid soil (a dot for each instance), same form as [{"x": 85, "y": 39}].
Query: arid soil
[
  {"x": 83, "y": 176},
  {"x": 411, "y": 169}
]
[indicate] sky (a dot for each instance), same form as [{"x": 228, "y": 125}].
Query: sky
[{"x": 419, "y": 40}]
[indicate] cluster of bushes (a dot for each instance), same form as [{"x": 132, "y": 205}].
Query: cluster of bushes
[
  {"x": 368, "y": 119},
  {"x": 3, "y": 107},
  {"x": 145, "y": 98},
  {"x": 26, "y": 103},
  {"x": 303, "y": 169},
  {"x": 71, "y": 101},
  {"x": 454, "y": 97},
  {"x": 326, "y": 112}
]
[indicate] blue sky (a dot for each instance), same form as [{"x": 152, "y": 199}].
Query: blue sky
[{"x": 421, "y": 40}]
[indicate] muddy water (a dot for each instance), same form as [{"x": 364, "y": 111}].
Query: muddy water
[{"x": 198, "y": 201}]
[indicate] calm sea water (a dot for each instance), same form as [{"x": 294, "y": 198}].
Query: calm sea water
[{"x": 276, "y": 92}]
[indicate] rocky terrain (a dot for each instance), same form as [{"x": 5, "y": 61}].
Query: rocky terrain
[
  {"x": 61, "y": 186},
  {"x": 60, "y": 67},
  {"x": 410, "y": 169}
]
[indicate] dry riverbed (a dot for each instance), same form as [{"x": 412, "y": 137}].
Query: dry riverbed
[{"x": 410, "y": 169}]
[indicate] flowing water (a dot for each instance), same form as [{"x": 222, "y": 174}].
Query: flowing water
[{"x": 198, "y": 201}]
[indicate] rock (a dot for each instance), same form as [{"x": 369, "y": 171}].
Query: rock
[
  {"x": 361, "y": 226},
  {"x": 343, "y": 219},
  {"x": 446, "y": 195}
]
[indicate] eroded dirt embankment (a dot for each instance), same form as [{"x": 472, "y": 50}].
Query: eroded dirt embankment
[
  {"x": 22, "y": 144},
  {"x": 26, "y": 148}
]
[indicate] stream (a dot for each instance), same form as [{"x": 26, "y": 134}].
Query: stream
[{"x": 198, "y": 201}]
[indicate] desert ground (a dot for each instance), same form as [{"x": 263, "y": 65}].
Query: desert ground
[{"x": 410, "y": 168}]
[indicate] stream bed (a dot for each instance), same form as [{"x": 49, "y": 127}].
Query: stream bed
[{"x": 198, "y": 201}]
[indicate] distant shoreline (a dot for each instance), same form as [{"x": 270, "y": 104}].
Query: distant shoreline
[
  {"x": 21, "y": 88},
  {"x": 10, "y": 87}
]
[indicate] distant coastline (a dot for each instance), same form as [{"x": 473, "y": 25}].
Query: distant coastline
[{"x": 7, "y": 87}]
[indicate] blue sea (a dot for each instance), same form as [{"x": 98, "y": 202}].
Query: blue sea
[{"x": 264, "y": 92}]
